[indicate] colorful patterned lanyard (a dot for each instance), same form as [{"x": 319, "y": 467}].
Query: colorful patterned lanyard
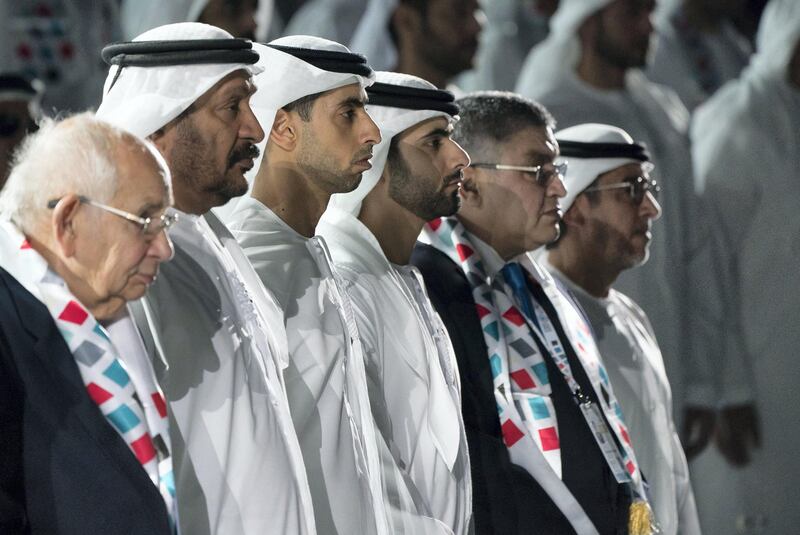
[
  {"x": 521, "y": 383},
  {"x": 622, "y": 468}
]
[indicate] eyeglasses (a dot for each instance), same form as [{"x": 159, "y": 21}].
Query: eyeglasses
[
  {"x": 541, "y": 175},
  {"x": 150, "y": 227},
  {"x": 637, "y": 188}
]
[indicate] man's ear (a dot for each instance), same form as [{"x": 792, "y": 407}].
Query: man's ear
[
  {"x": 63, "y": 224},
  {"x": 285, "y": 130},
  {"x": 471, "y": 188}
]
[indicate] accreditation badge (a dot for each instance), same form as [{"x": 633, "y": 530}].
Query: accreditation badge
[{"x": 604, "y": 439}]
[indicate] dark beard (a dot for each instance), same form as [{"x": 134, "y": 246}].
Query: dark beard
[
  {"x": 412, "y": 193},
  {"x": 620, "y": 58},
  {"x": 192, "y": 164},
  {"x": 246, "y": 151}
]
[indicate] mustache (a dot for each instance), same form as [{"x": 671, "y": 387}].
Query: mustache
[
  {"x": 246, "y": 152},
  {"x": 458, "y": 176},
  {"x": 362, "y": 155}
]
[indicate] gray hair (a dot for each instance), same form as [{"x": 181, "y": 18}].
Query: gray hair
[
  {"x": 73, "y": 155},
  {"x": 490, "y": 118}
]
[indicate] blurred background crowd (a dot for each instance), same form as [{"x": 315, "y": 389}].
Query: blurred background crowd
[{"x": 694, "y": 86}]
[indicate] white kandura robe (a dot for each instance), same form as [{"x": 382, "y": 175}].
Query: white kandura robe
[
  {"x": 325, "y": 382},
  {"x": 413, "y": 384},
  {"x": 653, "y": 114},
  {"x": 237, "y": 461},
  {"x": 633, "y": 360},
  {"x": 511, "y": 30},
  {"x": 330, "y": 19},
  {"x": 672, "y": 64},
  {"x": 749, "y": 166}
]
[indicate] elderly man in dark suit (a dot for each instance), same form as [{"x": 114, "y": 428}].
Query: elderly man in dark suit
[{"x": 84, "y": 442}]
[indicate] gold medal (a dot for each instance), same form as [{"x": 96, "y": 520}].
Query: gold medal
[{"x": 641, "y": 520}]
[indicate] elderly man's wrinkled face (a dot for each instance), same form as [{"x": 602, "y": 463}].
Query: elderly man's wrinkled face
[
  {"x": 212, "y": 145},
  {"x": 424, "y": 169},
  {"x": 625, "y": 31},
  {"x": 117, "y": 260},
  {"x": 617, "y": 227},
  {"x": 527, "y": 212},
  {"x": 335, "y": 145}
]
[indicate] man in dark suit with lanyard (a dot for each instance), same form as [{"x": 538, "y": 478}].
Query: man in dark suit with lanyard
[{"x": 549, "y": 447}]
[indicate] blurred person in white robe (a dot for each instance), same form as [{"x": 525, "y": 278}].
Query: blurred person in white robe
[
  {"x": 247, "y": 19},
  {"x": 215, "y": 333},
  {"x": 435, "y": 40},
  {"x": 606, "y": 229},
  {"x": 330, "y": 19},
  {"x": 513, "y": 28},
  {"x": 589, "y": 70},
  {"x": 745, "y": 143},
  {"x": 698, "y": 48},
  {"x": 320, "y": 141},
  {"x": 413, "y": 380}
]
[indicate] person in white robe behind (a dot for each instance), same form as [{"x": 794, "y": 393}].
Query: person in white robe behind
[
  {"x": 320, "y": 141},
  {"x": 215, "y": 331},
  {"x": 745, "y": 141},
  {"x": 411, "y": 370},
  {"x": 589, "y": 70},
  {"x": 240, "y": 18},
  {"x": 512, "y": 29},
  {"x": 432, "y": 39},
  {"x": 335, "y": 20},
  {"x": 608, "y": 211},
  {"x": 698, "y": 48}
]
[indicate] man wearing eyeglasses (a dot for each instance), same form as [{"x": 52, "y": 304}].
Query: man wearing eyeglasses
[
  {"x": 606, "y": 230},
  {"x": 84, "y": 434},
  {"x": 548, "y": 446}
]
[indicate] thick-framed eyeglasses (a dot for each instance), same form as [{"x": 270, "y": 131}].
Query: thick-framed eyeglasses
[
  {"x": 150, "y": 226},
  {"x": 542, "y": 175},
  {"x": 637, "y": 188}
]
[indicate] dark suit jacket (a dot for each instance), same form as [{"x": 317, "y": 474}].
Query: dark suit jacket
[
  {"x": 506, "y": 498},
  {"x": 63, "y": 468}
]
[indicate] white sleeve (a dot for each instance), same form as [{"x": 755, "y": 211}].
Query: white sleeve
[
  {"x": 688, "y": 519},
  {"x": 730, "y": 198}
]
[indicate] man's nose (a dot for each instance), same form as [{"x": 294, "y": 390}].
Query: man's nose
[
  {"x": 250, "y": 128},
  {"x": 650, "y": 207},
  {"x": 161, "y": 247}
]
